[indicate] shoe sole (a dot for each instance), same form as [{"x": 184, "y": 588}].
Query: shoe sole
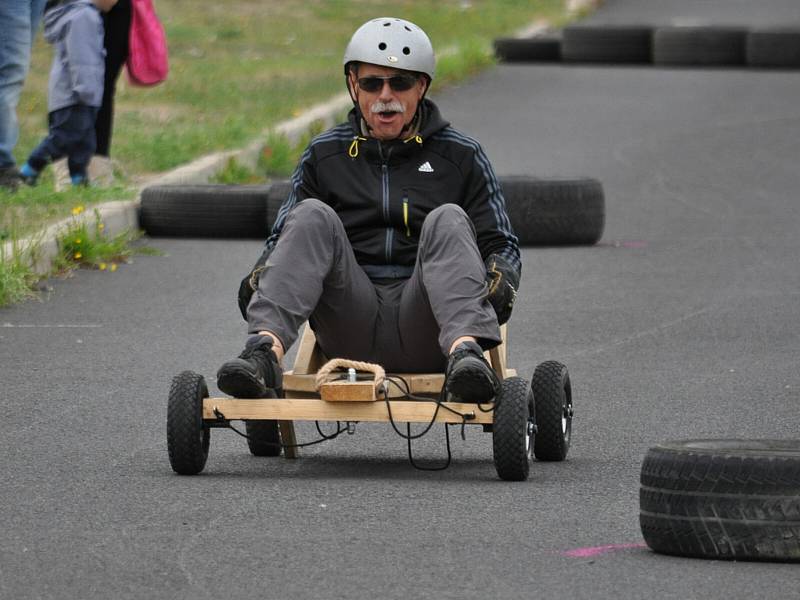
[
  {"x": 240, "y": 383},
  {"x": 471, "y": 384}
]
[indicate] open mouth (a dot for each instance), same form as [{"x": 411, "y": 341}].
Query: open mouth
[{"x": 387, "y": 116}]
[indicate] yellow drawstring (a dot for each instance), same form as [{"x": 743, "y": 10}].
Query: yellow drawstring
[
  {"x": 416, "y": 138},
  {"x": 353, "y": 150},
  {"x": 405, "y": 217}
]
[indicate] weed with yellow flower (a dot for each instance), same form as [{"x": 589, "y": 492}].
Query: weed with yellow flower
[{"x": 84, "y": 244}]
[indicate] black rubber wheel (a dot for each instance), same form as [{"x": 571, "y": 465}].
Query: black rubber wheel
[
  {"x": 701, "y": 46},
  {"x": 512, "y": 430},
  {"x": 532, "y": 49},
  {"x": 278, "y": 192},
  {"x": 187, "y": 437},
  {"x": 723, "y": 499},
  {"x": 610, "y": 44},
  {"x": 776, "y": 48},
  {"x": 264, "y": 437},
  {"x": 552, "y": 395},
  {"x": 556, "y": 211},
  {"x": 205, "y": 211}
]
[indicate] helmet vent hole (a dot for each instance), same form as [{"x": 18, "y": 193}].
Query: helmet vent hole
[
  {"x": 406, "y": 50},
  {"x": 387, "y": 24},
  {"x": 407, "y": 28},
  {"x": 382, "y": 46}
]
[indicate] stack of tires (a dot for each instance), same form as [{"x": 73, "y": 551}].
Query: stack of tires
[
  {"x": 543, "y": 212},
  {"x": 681, "y": 45}
]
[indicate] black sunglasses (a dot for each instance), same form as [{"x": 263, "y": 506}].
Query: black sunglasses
[{"x": 398, "y": 83}]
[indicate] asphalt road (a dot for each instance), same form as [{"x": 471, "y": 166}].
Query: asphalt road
[{"x": 683, "y": 322}]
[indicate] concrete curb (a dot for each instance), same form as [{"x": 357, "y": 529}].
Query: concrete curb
[{"x": 116, "y": 216}]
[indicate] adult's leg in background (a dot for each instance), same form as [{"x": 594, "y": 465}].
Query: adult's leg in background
[
  {"x": 19, "y": 21},
  {"x": 117, "y": 24}
]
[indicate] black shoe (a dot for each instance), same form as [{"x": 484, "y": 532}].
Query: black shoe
[
  {"x": 253, "y": 373},
  {"x": 469, "y": 376},
  {"x": 10, "y": 178}
]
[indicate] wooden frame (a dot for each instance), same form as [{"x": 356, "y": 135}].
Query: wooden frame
[{"x": 302, "y": 402}]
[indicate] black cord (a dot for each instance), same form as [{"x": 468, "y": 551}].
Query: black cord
[
  {"x": 438, "y": 468},
  {"x": 407, "y": 396},
  {"x": 439, "y": 405},
  {"x": 339, "y": 429}
]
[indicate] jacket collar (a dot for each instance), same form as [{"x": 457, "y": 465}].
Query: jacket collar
[{"x": 430, "y": 121}]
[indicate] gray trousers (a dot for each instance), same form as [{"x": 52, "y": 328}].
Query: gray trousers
[{"x": 406, "y": 325}]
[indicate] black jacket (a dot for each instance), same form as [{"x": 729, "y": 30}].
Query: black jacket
[{"x": 382, "y": 191}]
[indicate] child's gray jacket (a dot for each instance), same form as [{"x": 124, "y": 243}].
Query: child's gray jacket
[{"x": 75, "y": 29}]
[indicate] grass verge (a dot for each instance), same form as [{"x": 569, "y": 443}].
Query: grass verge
[{"x": 17, "y": 280}]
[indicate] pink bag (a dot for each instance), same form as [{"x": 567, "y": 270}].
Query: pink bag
[{"x": 147, "y": 50}]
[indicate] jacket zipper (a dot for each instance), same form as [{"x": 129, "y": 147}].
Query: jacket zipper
[
  {"x": 385, "y": 198},
  {"x": 386, "y": 215},
  {"x": 405, "y": 213}
]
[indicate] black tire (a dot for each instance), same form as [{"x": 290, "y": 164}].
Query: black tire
[
  {"x": 205, "y": 211},
  {"x": 263, "y": 437},
  {"x": 552, "y": 395},
  {"x": 187, "y": 436},
  {"x": 610, "y": 44},
  {"x": 553, "y": 212},
  {"x": 701, "y": 46},
  {"x": 533, "y": 49},
  {"x": 512, "y": 430},
  {"x": 278, "y": 192},
  {"x": 776, "y": 48},
  {"x": 722, "y": 499}
]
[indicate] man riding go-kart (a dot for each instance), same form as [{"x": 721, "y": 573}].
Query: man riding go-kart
[{"x": 394, "y": 243}]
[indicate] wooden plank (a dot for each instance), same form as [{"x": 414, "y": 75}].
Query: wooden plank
[
  {"x": 303, "y": 386},
  {"x": 309, "y": 355},
  {"x": 497, "y": 355},
  {"x": 312, "y": 409},
  {"x": 348, "y": 391},
  {"x": 288, "y": 437}
]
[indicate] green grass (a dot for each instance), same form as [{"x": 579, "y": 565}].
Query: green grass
[{"x": 16, "y": 278}]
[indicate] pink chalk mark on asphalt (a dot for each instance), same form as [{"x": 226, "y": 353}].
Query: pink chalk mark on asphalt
[{"x": 592, "y": 551}]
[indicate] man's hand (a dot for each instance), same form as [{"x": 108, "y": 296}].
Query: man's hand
[
  {"x": 249, "y": 284},
  {"x": 502, "y": 281}
]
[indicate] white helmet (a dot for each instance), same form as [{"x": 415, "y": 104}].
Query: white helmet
[{"x": 391, "y": 42}]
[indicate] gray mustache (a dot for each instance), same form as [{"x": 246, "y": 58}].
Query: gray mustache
[{"x": 395, "y": 106}]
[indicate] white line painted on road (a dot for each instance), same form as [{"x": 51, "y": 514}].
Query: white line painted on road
[{"x": 50, "y": 326}]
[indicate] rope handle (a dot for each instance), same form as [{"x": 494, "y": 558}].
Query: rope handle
[{"x": 325, "y": 374}]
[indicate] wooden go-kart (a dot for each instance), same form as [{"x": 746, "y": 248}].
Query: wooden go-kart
[{"x": 525, "y": 419}]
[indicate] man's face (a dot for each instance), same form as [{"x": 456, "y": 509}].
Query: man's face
[{"x": 386, "y": 110}]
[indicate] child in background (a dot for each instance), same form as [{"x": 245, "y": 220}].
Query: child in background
[{"x": 75, "y": 29}]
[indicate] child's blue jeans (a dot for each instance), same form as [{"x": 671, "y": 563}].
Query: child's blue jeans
[{"x": 72, "y": 135}]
